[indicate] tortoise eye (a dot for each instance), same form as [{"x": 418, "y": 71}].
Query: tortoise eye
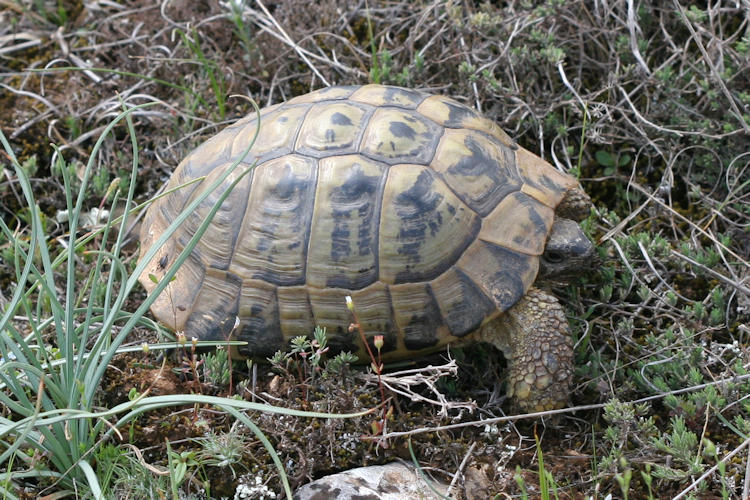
[{"x": 554, "y": 256}]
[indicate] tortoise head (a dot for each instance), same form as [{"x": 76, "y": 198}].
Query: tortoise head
[{"x": 567, "y": 253}]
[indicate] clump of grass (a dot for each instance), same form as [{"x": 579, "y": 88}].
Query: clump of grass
[
  {"x": 215, "y": 76},
  {"x": 223, "y": 449},
  {"x": 547, "y": 486}
]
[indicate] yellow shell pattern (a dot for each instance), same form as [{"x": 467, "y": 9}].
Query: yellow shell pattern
[{"x": 424, "y": 212}]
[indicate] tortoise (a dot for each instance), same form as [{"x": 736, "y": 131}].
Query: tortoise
[{"x": 425, "y": 213}]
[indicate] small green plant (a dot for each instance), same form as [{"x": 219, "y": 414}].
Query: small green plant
[
  {"x": 682, "y": 445},
  {"x": 623, "y": 478},
  {"x": 339, "y": 364},
  {"x": 518, "y": 477},
  {"x": 546, "y": 481},
  {"x": 627, "y": 425},
  {"x": 216, "y": 369},
  {"x": 127, "y": 477},
  {"x": 375, "y": 70},
  {"x": 57, "y": 16},
  {"x": 712, "y": 451},
  {"x": 179, "y": 462},
  {"x": 212, "y": 70},
  {"x": 388, "y": 73},
  {"x": 611, "y": 162},
  {"x": 383, "y": 70},
  {"x": 224, "y": 449},
  {"x": 648, "y": 480},
  {"x": 190, "y": 363},
  {"x": 30, "y": 166},
  {"x": 468, "y": 70},
  {"x": 696, "y": 15},
  {"x": 304, "y": 356},
  {"x": 241, "y": 30}
]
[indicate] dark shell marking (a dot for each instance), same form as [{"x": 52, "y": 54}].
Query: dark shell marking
[{"x": 424, "y": 212}]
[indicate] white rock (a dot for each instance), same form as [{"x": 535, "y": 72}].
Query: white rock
[{"x": 395, "y": 481}]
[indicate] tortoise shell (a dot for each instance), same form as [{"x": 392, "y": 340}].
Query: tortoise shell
[{"x": 427, "y": 214}]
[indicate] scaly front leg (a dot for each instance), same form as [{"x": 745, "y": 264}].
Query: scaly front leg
[{"x": 535, "y": 338}]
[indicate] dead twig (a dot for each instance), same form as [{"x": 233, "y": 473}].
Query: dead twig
[{"x": 549, "y": 413}]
